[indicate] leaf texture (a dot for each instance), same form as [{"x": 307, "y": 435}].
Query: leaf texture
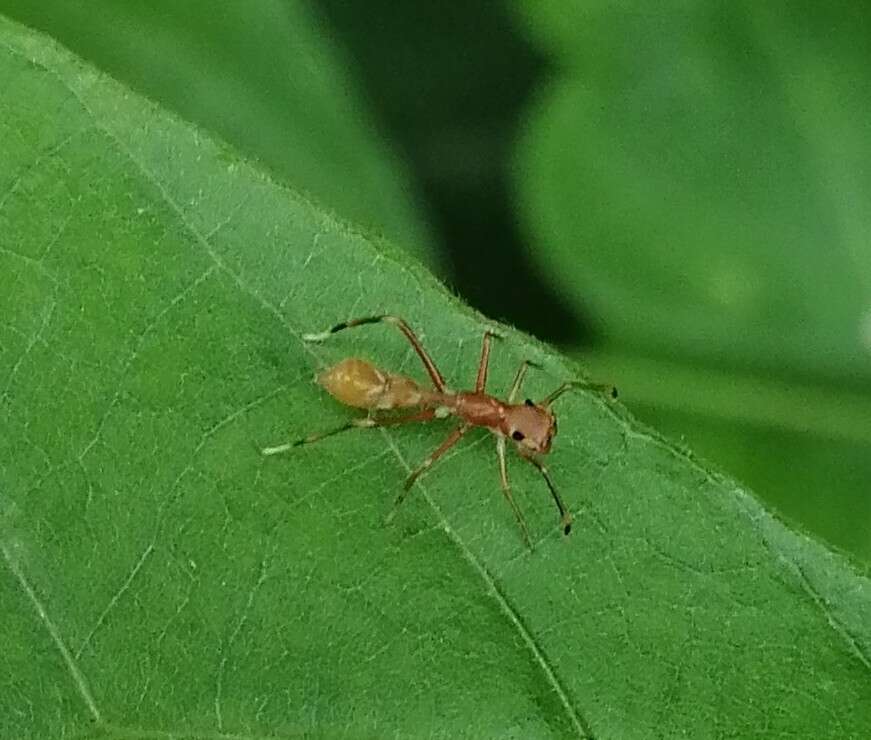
[{"x": 160, "y": 578}]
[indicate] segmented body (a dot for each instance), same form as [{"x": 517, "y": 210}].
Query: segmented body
[{"x": 360, "y": 384}]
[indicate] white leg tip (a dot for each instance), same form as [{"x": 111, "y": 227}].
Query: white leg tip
[
  {"x": 276, "y": 450},
  {"x": 315, "y": 337}
]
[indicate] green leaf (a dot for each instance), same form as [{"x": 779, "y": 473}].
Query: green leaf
[
  {"x": 160, "y": 577},
  {"x": 806, "y": 449},
  {"x": 755, "y": 184},
  {"x": 266, "y": 77},
  {"x": 697, "y": 178}
]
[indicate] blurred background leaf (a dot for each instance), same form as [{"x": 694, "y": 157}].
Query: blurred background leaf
[
  {"x": 699, "y": 179},
  {"x": 676, "y": 195},
  {"x": 265, "y": 76}
]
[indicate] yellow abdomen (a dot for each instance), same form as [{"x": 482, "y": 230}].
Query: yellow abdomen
[{"x": 360, "y": 384}]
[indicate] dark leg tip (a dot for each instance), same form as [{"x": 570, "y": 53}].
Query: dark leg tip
[{"x": 567, "y": 529}]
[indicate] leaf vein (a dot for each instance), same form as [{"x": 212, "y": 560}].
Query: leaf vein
[
  {"x": 577, "y": 721},
  {"x": 74, "y": 670},
  {"x": 32, "y": 342},
  {"x": 832, "y": 620},
  {"x": 136, "y": 350},
  {"x": 115, "y": 598}
]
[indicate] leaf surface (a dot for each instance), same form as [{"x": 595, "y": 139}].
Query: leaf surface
[{"x": 160, "y": 577}]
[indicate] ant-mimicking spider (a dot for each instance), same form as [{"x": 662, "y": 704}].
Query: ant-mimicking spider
[{"x": 531, "y": 426}]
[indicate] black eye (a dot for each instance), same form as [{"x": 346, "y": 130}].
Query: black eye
[
  {"x": 528, "y": 402},
  {"x": 517, "y": 435}
]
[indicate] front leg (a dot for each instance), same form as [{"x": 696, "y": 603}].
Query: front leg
[
  {"x": 506, "y": 490},
  {"x": 565, "y": 514},
  {"x": 518, "y": 379}
]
